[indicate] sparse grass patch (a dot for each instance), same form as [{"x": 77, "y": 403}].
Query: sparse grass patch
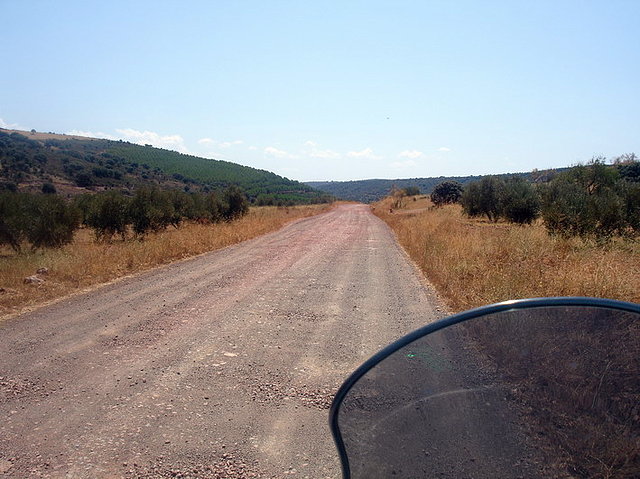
[
  {"x": 474, "y": 262},
  {"x": 86, "y": 263}
]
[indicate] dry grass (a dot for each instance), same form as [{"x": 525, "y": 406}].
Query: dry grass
[
  {"x": 86, "y": 263},
  {"x": 473, "y": 262}
]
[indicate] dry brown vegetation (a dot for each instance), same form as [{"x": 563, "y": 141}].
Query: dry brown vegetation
[
  {"x": 579, "y": 394},
  {"x": 587, "y": 410},
  {"x": 85, "y": 262},
  {"x": 473, "y": 262}
]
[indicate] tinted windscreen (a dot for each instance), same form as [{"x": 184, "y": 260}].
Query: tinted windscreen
[{"x": 539, "y": 392}]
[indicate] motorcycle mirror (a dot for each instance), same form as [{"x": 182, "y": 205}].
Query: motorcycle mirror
[{"x": 544, "y": 387}]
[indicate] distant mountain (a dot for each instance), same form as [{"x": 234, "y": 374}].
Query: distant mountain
[
  {"x": 75, "y": 164},
  {"x": 367, "y": 191}
]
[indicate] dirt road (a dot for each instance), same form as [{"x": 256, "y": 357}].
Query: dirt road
[{"x": 219, "y": 366}]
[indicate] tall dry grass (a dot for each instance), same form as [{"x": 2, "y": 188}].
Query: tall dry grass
[
  {"x": 85, "y": 262},
  {"x": 590, "y": 418},
  {"x": 473, "y": 262}
]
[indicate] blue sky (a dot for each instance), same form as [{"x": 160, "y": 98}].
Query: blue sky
[{"x": 333, "y": 90}]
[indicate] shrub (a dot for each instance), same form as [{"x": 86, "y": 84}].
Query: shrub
[
  {"x": 108, "y": 214},
  {"x": 84, "y": 180},
  {"x": 48, "y": 188},
  {"x": 235, "y": 203},
  {"x": 446, "y": 192},
  {"x": 631, "y": 204},
  {"x": 12, "y": 218},
  {"x": 565, "y": 208},
  {"x": 519, "y": 201},
  {"x": 591, "y": 200},
  {"x": 51, "y": 221},
  {"x": 150, "y": 210},
  {"x": 213, "y": 207},
  {"x": 411, "y": 191},
  {"x": 482, "y": 198}
]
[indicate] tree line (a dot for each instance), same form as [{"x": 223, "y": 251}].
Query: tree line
[
  {"x": 48, "y": 220},
  {"x": 593, "y": 200}
]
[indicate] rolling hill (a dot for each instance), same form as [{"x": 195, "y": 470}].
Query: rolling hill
[
  {"x": 367, "y": 191},
  {"x": 73, "y": 165}
]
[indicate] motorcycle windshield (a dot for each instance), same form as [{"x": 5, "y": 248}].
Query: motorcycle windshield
[{"x": 543, "y": 391}]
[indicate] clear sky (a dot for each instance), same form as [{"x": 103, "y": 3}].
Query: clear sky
[{"x": 333, "y": 90}]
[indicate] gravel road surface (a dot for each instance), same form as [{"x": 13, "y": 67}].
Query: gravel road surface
[{"x": 219, "y": 366}]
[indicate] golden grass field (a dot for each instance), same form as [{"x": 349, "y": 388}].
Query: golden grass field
[
  {"x": 86, "y": 263},
  {"x": 473, "y": 262}
]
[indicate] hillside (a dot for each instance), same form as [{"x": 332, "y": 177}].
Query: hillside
[
  {"x": 367, "y": 191},
  {"x": 73, "y": 165}
]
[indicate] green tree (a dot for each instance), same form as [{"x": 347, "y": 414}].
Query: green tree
[
  {"x": 235, "y": 203},
  {"x": 630, "y": 192},
  {"x": 482, "y": 198},
  {"x": 150, "y": 210},
  {"x": 108, "y": 215},
  {"x": 51, "y": 221},
  {"x": 519, "y": 201},
  {"x": 411, "y": 191},
  {"x": 588, "y": 200},
  {"x": 213, "y": 207},
  {"x": 12, "y": 219},
  {"x": 446, "y": 192}
]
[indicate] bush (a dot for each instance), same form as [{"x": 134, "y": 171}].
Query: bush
[
  {"x": 108, "y": 214},
  {"x": 51, "y": 221},
  {"x": 446, "y": 192},
  {"x": 235, "y": 203},
  {"x": 591, "y": 200},
  {"x": 482, "y": 198},
  {"x": 183, "y": 206},
  {"x": 84, "y": 180},
  {"x": 214, "y": 208},
  {"x": 519, "y": 201},
  {"x": 48, "y": 188},
  {"x": 411, "y": 191},
  {"x": 565, "y": 208},
  {"x": 12, "y": 219},
  {"x": 42, "y": 220},
  {"x": 631, "y": 204},
  {"x": 151, "y": 210}
]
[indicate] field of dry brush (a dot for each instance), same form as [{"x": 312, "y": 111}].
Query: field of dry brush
[{"x": 473, "y": 262}]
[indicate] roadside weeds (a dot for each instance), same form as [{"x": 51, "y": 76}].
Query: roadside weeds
[{"x": 86, "y": 263}]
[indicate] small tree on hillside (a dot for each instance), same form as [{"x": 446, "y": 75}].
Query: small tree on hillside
[
  {"x": 411, "y": 191},
  {"x": 446, "y": 192},
  {"x": 398, "y": 197}
]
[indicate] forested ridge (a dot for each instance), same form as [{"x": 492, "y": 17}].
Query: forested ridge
[
  {"x": 72, "y": 165},
  {"x": 368, "y": 191}
]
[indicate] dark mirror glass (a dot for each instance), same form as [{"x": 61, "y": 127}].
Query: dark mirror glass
[{"x": 537, "y": 392}]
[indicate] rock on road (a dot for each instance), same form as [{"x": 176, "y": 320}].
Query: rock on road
[{"x": 223, "y": 365}]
